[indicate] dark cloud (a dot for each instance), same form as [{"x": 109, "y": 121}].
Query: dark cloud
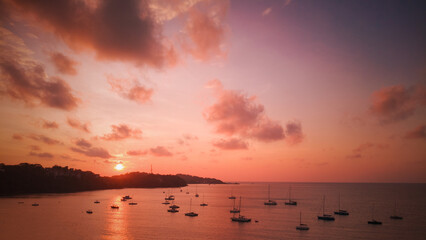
[
  {"x": 417, "y": 133},
  {"x": 132, "y": 91},
  {"x": 93, "y": 152},
  {"x": 41, "y": 155},
  {"x": 63, "y": 64},
  {"x": 35, "y": 148},
  {"x": 31, "y": 85},
  {"x": 121, "y": 132},
  {"x": 294, "y": 133},
  {"x": 160, "y": 151},
  {"x": 114, "y": 30},
  {"x": 396, "y": 103},
  {"x": 359, "y": 151},
  {"x": 231, "y": 144},
  {"x": 75, "y": 123}
]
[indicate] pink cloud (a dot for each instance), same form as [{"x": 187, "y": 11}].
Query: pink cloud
[
  {"x": 236, "y": 114},
  {"x": 63, "y": 64},
  {"x": 75, "y": 123},
  {"x": 160, "y": 151},
  {"x": 206, "y": 30},
  {"x": 132, "y": 91},
  {"x": 93, "y": 152},
  {"x": 231, "y": 144},
  {"x": 121, "y": 132}
]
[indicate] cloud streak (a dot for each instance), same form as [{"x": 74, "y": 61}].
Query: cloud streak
[
  {"x": 63, "y": 64},
  {"x": 131, "y": 91},
  {"x": 122, "y": 131}
]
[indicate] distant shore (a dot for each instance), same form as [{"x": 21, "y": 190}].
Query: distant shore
[{"x": 27, "y": 178}]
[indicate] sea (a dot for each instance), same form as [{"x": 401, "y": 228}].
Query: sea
[{"x": 63, "y": 216}]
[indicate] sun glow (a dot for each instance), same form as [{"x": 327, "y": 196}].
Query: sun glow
[{"x": 119, "y": 167}]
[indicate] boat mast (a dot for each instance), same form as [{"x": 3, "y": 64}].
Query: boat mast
[
  {"x": 190, "y": 204},
  {"x": 323, "y": 205},
  {"x": 239, "y": 209},
  {"x": 269, "y": 192},
  {"x": 339, "y": 201},
  {"x": 289, "y": 194},
  {"x": 300, "y": 218}
]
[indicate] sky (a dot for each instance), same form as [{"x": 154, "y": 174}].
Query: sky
[{"x": 291, "y": 90}]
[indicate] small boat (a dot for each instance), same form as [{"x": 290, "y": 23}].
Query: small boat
[
  {"x": 127, "y": 197},
  {"x": 191, "y": 213},
  {"x": 341, "y": 211},
  {"x": 240, "y": 217},
  {"x": 115, "y": 207},
  {"x": 270, "y": 202},
  {"x": 395, "y": 216},
  {"x": 232, "y": 196},
  {"x": 171, "y": 198},
  {"x": 165, "y": 203},
  {"x": 234, "y": 209},
  {"x": 325, "y": 217},
  {"x": 174, "y": 206},
  {"x": 196, "y": 192},
  {"x": 133, "y": 203},
  {"x": 290, "y": 202},
  {"x": 203, "y": 204},
  {"x": 374, "y": 221},
  {"x": 89, "y": 211},
  {"x": 123, "y": 199},
  {"x": 172, "y": 210},
  {"x": 97, "y": 202},
  {"x": 35, "y": 204},
  {"x": 302, "y": 226}
]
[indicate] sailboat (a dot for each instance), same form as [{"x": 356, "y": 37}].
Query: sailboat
[
  {"x": 240, "y": 217},
  {"x": 270, "y": 202},
  {"x": 290, "y": 202},
  {"x": 373, "y": 221},
  {"x": 234, "y": 209},
  {"x": 191, "y": 213},
  {"x": 325, "y": 217},
  {"x": 341, "y": 211},
  {"x": 302, "y": 226},
  {"x": 394, "y": 216},
  {"x": 196, "y": 192},
  {"x": 203, "y": 204},
  {"x": 232, "y": 196}
]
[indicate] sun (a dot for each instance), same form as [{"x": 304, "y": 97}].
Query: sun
[{"x": 119, "y": 167}]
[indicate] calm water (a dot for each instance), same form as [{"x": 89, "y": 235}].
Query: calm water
[{"x": 63, "y": 216}]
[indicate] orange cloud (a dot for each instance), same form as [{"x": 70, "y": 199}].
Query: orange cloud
[
  {"x": 396, "y": 103},
  {"x": 160, "y": 151},
  {"x": 101, "y": 27},
  {"x": 41, "y": 155},
  {"x": 75, "y": 123},
  {"x": 83, "y": 143},
  {"x": 121, "y": 132},
  {"x": 134, "y": 92},
  {"x": 294, "y": 133},
  {"x": 47, "y": 124},
  {"x": 417, "y": 133},
  {"x": 136, "y": 153},
  {"x": 17, "y": 136},
  {"x": 44, "y": 139},
  {"x": 231, "y": 144},
  {"x": 63, "y": 64}
]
